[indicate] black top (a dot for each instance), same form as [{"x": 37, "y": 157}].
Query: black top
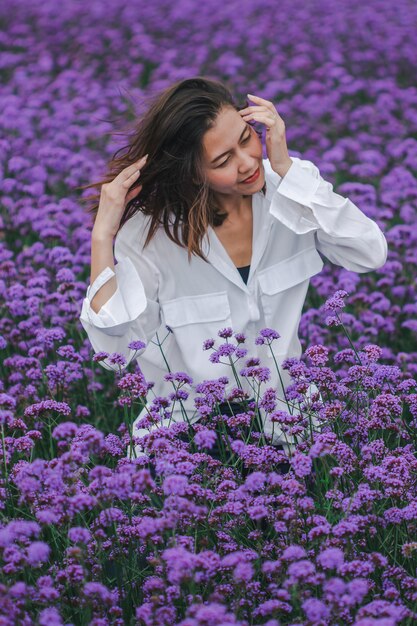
[{"x": 244, "y": 272}]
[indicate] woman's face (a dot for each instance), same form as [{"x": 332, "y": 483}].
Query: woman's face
[{"x": 232, "y": 151}]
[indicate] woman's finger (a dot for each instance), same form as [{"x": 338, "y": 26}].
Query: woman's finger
[
  {"x": 264, "y": 119},
  {"x": 132, "y": 194},
  {"x": 131, "y": 170},
  {"x": 131, "y": 178},
  {"x": 251, "y": 109},
  {"x": 267, "y": 103}
]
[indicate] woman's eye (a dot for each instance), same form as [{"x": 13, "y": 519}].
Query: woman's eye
[
  {"x": 224, "y": 162},
  {"x": 243, "y": 141}
]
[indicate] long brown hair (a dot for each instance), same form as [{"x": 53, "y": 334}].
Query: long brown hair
[{"x": 174, "y": 192}]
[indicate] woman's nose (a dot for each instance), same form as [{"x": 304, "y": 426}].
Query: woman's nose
[{"x": 247, "y": 164}]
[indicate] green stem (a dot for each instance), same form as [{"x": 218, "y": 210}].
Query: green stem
[
  {"x": 280, "y": 378},
  {"x": 6, "y": 474},
  {"x": 235, "y": 374},
  {"x": 349, "y": 339}
]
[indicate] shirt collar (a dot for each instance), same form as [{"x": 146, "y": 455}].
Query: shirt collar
[{"x": 217, "y": 256}]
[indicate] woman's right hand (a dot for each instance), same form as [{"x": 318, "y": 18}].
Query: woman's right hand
[{"x": 114, "y": 198}]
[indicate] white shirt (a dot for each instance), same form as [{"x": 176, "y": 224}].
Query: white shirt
[{"x": 299, "y": 216}]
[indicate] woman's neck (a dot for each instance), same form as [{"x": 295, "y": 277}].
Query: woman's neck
[
  {"x": 237, "y": 208},
  {"x": 237, "y": 218}
]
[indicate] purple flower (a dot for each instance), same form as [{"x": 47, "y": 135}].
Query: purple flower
[
  {"x": 48, "y": 516},
  {"x": 293, "y": 553},
  {"x": 78, "y": 534},
  {"x": 255, "y": 481},
  {"x": 211, "y": 614},
  {"x": 65, "y": 430},
  {"x": 257, "y": 512},
  {"x": 136, "y": 345},
  {"x": 100, "y": 592},
  {"x": 243, "y": 572},
  {"x": 332, "y": 321},
  {"x": 357, "y": 589},
  {"x": 179, "y": 377},
  {"x": 100, "y": 356},
  {"x": 50, "y": 617},
  {"x": 266, "y": 335},
  {"x": 34, "y": 410},
  {"x": 263, "y": 374},
  {"x": 205, "y": 438},
  {"x": 82, "y": 411},
  {"x": 47, "y": 336},
  {"x": 225, "y": 332},
  {"x": 316, "y": 611},
  {"x": 135, "y": 384},
  {"x": 385, "y": 408},
  {"x": 372, "y": 352},
  {"x": 68, "y": 352},
  {"x": 175, "y": 485},
  {"x": 179, "y": 394},
  {"x": 268, "y": 400},
  {"x": 318, "y": 354},
  {"x": 336, "y": 301},
  {"x": 411, "y": 324},
  {"x": 226, "y": 349},
  {"x": 301, "y": 571},
  {"x": 214, "y": 357},
  {"x": 180, "y": 564},
  {"x": 37, "y": 553},
  {"x": 117, "y": 359},
  {"x": 331, "y": 558},
  {"x": 212, "y": 390}
]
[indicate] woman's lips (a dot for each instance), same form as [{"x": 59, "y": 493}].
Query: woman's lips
[{"x": 252, "y": 178}]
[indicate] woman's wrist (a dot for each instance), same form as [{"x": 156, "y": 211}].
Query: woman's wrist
[
  {"x": 282, "y": 169},
  {"x": 99, "y": 235}
]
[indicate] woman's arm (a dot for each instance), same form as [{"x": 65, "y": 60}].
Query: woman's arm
[
  {"x": 132, "y": 311},
  {"x": 102, "y": 258},
  {"x": 305, "y": 202},
  {"x": 125, "y": 295}
]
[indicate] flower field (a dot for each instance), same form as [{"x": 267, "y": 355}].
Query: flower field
[{"x": 92, "y": 534}]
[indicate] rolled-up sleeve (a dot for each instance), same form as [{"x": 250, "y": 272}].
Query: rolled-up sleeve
[
  {"x": 132, "y": 313},
  {"x": 305, "y": 202},
  {"x": 124, "y": 306}
]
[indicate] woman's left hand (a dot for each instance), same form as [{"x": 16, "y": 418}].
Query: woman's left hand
[{"x": 276, "y": 144}]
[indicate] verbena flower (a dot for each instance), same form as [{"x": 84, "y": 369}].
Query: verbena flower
[
  {"x": 266, "y": 335},
  {"x": 336, "y": 301},
  {"x": 225, "y": 332},
  {"x": 179, "y": 377},
  {"x": 205, "y": 438},
  {"x": 136, "y": 345},
  {"x": 100, "y": 356},
  {"x": 117, "y": 359}
]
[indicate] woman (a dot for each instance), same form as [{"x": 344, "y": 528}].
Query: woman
[{"x": 209, "y": 235}]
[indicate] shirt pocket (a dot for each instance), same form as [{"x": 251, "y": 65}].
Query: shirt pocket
[
  {"x": 283, "y": 287},
  {"x": 193, "y": 319}
]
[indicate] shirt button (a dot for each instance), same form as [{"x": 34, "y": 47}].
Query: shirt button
[{"x": 254, "y": 314}]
